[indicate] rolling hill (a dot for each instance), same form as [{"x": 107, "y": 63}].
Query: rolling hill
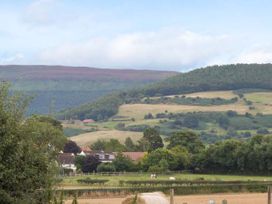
[
  {"x": 58, "y": 87},
  {"x": 214, "y": 78}
]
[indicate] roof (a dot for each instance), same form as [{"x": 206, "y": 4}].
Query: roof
[
  {"x": 134, "y": 156},
  {"x": 66, "y": 158},
  {"x": 88, "y": 121}
]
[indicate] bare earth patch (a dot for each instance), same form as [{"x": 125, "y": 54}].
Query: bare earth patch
[{"x": 241, "y": 198}]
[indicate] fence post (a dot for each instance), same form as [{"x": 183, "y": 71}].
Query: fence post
[
  {"x": 172, "y": 196},
  {"x": 269, "y": 195}
]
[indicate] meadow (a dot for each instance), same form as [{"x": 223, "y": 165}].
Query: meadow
[{"x": 71, "y": 182}]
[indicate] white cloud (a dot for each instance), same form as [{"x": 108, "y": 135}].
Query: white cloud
[
  {"x": 258, "y": 54},
  {"x": 166, "y": 48},
  {"x": 17, "y": 58}
]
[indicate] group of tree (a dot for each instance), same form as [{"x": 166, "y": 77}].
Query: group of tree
[
  {"x": 151, "y": 140},
  {"x": 225, "y": 77},
  {"x": 28, "y": 151},
  {"x": 186, "y": 151}
]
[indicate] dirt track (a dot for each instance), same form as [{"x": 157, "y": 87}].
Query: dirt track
[{"x": 244, "y": 198}]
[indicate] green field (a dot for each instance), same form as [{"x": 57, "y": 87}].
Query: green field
[{"x": 114, "y": 180}]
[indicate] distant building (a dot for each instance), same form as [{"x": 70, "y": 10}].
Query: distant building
[
  {"x": 104, "y": 157},
  {"x": 67, "y": 161},
  {"x": 88, "y": 121}
]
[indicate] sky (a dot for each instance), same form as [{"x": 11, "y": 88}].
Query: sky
[{"x": 177, "y": 35}]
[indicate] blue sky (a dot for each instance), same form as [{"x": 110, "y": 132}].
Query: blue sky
[{"x": 142, "y": 34}]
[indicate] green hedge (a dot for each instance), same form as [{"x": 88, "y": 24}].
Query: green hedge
[{"x": 92, "y": 181}]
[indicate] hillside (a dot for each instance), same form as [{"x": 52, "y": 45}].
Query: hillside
[
  {"x": 226, "y": 77},
  {"x": 58, "y": 87}
]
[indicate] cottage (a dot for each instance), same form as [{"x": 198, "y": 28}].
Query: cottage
[
  {"x": 104, "y": 157},
  {"x": 67, "y": 161}
]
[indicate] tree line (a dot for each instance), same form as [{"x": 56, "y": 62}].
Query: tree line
[{"x": 184, "y": 150}]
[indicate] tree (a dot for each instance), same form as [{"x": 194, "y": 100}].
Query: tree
[
  {"x": 28, "y": 152},
  {"x": 130, "y": 145},
  {"x": 154, "y": 139},
  {"x": 79, "y": 161},
  {"x": 123, "y": 163},
  {"x": 106, "y": 167},
  {"x": 113, "y": 145},
  {"x": 182, "y": 156},
  {"x": 90, "y": 164},
  {"x": 71, "y": 147},
  {"x": 98, "y": 145},
  {"x": 154, "y": 158},
  {"x": 186, "y": 139}
]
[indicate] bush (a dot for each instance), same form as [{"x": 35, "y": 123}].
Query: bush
[
  {"x": 106, "y": 167},
  {"x": 92, "y": 181}
]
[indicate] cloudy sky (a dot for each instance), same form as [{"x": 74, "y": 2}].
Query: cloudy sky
[{"x": 142, "y": 34}]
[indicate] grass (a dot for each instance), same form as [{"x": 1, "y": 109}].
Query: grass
[
  {"x": 260, "y": 97},
  {"x": 114, "y": 180},
  {"x": 138, "y": 111},
  {"x": 89, "y": 138},
  {"x": 206, "y": 94}
]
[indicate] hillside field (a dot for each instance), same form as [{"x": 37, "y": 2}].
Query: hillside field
[
  {"x": 138, "y": 111},
  {"x": 89, "y": 138}
]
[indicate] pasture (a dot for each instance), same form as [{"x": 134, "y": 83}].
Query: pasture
[
  {"x": 114, "y": 179},
  {"x": 89, "y": 138},
  {"x": 138, "y": 111}
]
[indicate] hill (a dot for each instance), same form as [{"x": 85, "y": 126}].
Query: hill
[
  {"x": 214, "y": 78},
  {"x": 58, "y": 87}
]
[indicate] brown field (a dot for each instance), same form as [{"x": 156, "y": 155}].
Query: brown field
[
  {"x": 138, "y": 111},
  {"x": 89, "y": 138},
  {"x": 241, "y": 198}
]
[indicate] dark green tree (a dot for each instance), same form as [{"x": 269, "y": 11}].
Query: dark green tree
[
  {"x": 90, "y": 164},
  {"x": 130, "y": 146},
  {"x": 71, "y": 147},
  {"x": 123, "y": 163},
  {"x": 186, "y": 139},
  {"x": 154, "y": 139}
]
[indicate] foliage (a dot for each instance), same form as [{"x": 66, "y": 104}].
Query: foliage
[
  {"x": 113, "y": 145},
  {"x": 28, "y": 151},
  {"x": 90, "y": 164},
  {"x": 92, "y": 181},
  {"x": 123, "y": 163},
  {"x": 106, "y": 167},
  {"x": 186, "y": 139},
  {"x": 130, "y": 146},
  {"x": 157, "y": 160},
  {"x": 71, "y": 147},
  {"x": 154, "y": 139},
  {"x": 225, "y": 77}
]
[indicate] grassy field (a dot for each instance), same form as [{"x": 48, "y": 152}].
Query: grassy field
[
  {"x": 206, "y": 94},
  {"x": 114, "y": 180},
  {"x": 89, "y": 138},
  {"x": 260, "y": 97},
  {"x": 138, "y": 111}
]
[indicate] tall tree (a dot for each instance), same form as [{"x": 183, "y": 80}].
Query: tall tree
[
  {"x": 154, "y": 139},
  {"x": 186, "y": 139},
  {"x": 28, "y": 152}
]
